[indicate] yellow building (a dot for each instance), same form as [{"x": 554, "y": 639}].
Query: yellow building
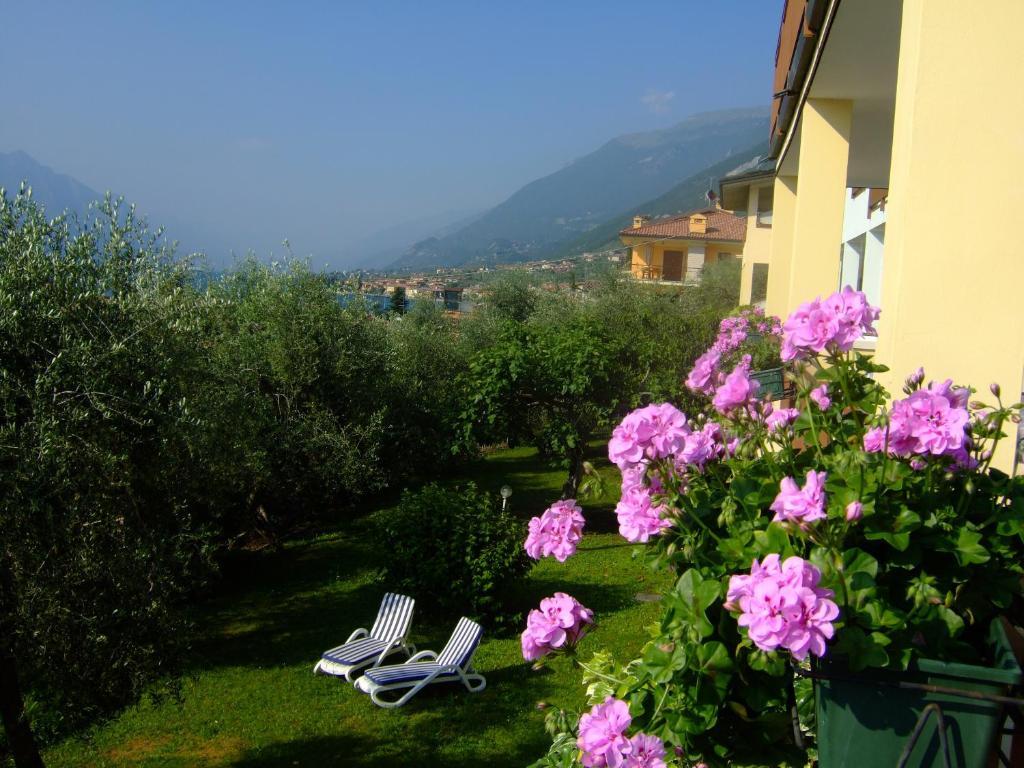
[
  {"x": 922, "y": 102},
  {"x": 749, "y": 192},
  {"x": 675, "y": 249}
]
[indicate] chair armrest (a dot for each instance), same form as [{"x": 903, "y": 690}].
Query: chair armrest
[
  {"x": 428, "y": 655},
  {"x": 358, "y": 634},
  {"x": 398, "y": 642}
]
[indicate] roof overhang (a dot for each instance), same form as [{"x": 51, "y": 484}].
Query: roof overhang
[{"x": 856, "y": 59}]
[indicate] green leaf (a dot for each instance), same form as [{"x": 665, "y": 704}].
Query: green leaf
[
  {"x": 663, "y": 660},
  {"x": 862, "y": 650},
  {"x": 969, "y": 550},
  {"x": 692, "y": 596},
  {"x": 773, "y": 539},
  {"x": 896, "y": 534}
]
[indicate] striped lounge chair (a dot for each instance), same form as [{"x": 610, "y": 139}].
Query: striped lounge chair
[
  {"x": 369, "y": 649},
  {"x": 452, "y": 665}
]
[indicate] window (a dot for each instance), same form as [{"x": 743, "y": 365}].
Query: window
[
  {"x": 861, "y": 264},
  {"x": 759, "y": 284}
]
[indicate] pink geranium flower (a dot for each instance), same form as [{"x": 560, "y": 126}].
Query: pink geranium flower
[
  {"x": 737, "y": 391},
  {"x": 560, "y": 623},
  {"x": 836, "y": 323},
  {"x": 820, "y": 396},
  {"x": 804, "y": 505},
  {"x": 629, "y": 440},
  {"x": 651, "y": 432},
  {"x": 602, "y": 735},
  {"x": 556, "y": 532},
  {"x": 781, "y": 419},
  {"x": 669, "y": 429},
  {"x": 782, "y": 606},
  {"x": 646, "y": 751},
  {"x": 703, "y": 377},
  {"x": 854, "y": 317},
  {"x": 639, "y": 518},
  {"x": 701, "y": 447},
  {"x": 930, "y": 422}
]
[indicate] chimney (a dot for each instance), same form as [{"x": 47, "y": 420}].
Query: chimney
[
  {"x": 698, "y": 224},
  {"x": 639, "y": 220}
]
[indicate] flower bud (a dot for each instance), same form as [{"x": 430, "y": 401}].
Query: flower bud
[
  {"x": 918, "y": 464},
  {"x": 914, "y": 380},
  {"x": 854, "y": 511},
  {"x": 994, "y": 388}
]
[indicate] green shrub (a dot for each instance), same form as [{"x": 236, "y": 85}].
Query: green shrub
[{"x": 454, "y": 548}]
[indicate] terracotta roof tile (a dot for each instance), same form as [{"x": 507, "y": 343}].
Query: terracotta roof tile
[{"x": 722, "y": 225}]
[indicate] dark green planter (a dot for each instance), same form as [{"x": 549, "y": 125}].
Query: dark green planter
[
  {"x": 771, "y": 381},
  {"x": 865, "y": 720}
]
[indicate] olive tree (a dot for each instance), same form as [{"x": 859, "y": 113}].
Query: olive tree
[{"x": 99, "y": 338}]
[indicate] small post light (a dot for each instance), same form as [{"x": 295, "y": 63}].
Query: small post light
[{"x": 506, "y": 492}]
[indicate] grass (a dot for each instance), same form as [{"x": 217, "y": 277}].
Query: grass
[{"x": 250, "y": 699}]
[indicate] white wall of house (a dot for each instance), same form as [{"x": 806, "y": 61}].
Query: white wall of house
[{"x": 863, "y": 246}]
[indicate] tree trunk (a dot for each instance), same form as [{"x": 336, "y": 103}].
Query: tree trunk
[
  {"x": 572, "y": 483},
  {"x": 12, "y": 705}
]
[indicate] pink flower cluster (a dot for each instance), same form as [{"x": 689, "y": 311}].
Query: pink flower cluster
[
  {"x": 604, "y": 744},
  {"x": 930, "y": 422},
  {"x": 833, "y": 323},
  {"x": 652, "y": 432},
  {"x": 737, "y": 391},
  {"x": 734, "y": 330},
  {"x": 556, "y": 532},
  {"x": 782, "y": 606},
  {"x": 560, "y": 623},
  {"x": 804, "y": 505},
  {"x": 706, "y": 376}
]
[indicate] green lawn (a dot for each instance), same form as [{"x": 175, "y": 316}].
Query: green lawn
[{"x": 250, "y": 698}]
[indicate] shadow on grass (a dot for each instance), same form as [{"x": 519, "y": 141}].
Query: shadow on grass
[
  {"x": 596, "y": 595},
  {"x": 447, "y": 725},
  {"x": 288, "y": 607}
]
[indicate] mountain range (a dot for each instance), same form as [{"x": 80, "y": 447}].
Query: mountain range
[
  {"x": 56, "y": 192},
  {"x": 545, "y": 216},
  {"x": 578, "y": 208}
]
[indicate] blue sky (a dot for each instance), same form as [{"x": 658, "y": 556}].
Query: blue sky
[{"x": 244, "y": 123}]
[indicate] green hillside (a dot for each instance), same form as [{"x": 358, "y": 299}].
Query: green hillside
[{"x": 685, "y": 196}]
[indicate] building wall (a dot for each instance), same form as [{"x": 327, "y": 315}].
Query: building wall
[
  {"x": 758, "y": 245},
  {"x": 954, "y": 273}
]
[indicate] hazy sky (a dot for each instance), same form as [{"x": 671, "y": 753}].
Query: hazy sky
[{"x": 243, "y": 123}]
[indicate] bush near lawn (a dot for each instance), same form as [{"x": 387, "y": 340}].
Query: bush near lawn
[{"x": 455, "y": 549}]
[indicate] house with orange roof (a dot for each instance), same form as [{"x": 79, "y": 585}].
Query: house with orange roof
[{"x": 675, "y": 249}]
